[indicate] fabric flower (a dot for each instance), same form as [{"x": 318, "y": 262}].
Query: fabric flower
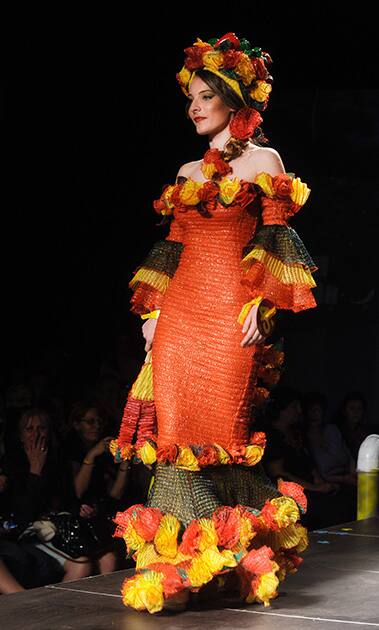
[
  {"x": 245, "y": 69},
  {"x": 144, "y": 592},
  {"x": 223, "y": 455},
  {"x": 261, "y": 92},
  {"x": 228, "y": 189},
  {"x": 191, "y": 538},
  {"x": 294, "y": 490},
  {"x": 166, "y": 538},
  {"x": 167, "y": 454},
  {"x": 267, "y": 588},
  {"x": 147, "y": 522},
  {"x": 259, "y": 68},
  {"x": 244, "y": 122},
  {"x": 147, "y": 453},
  {"x": 227, "y": 525},
  {"x": 186, "y": 459},
  {"x": 132, "y": 539},
  {"x": 183, "y": 77},
  {"x": 253, "y": 454},
  {"x": 232, "y": 58},
  {"x": 199, "y": 572},
  {"x": 194, "y": 58},
  {"x": 213, "y": 60},
  {"x": 209, "y": 535},
  {"x": 189, "y": 192},
  {"x": 287, "y": 511},
  {"x": 282, "y": 185},
  {"x": 207, "y": 456}
]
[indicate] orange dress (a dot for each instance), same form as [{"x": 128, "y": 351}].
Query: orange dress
[{"x": 190, "y": 410}]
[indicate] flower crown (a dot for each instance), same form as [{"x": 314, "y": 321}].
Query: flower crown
[{"x": 235, "y": 61}]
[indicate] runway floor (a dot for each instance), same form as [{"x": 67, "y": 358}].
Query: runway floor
[{"x": 337, "y": 586}]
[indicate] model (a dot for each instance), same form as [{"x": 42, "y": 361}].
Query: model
[{"x": 209, "y": 292}]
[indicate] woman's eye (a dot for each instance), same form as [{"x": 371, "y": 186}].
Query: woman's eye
[{"x": 207, "y": 97}]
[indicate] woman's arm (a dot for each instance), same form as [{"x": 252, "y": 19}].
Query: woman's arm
[{"x": 119, "y": 484}]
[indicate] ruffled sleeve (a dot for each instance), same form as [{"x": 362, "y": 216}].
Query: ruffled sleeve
[
  {"x": 276, "y": 265},
  {"x": 153, "y": 276}
]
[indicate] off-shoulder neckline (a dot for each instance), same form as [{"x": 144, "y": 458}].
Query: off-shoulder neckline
[{"x": 239, "y": 179}]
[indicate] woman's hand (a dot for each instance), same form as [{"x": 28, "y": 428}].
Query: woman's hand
[
  {"x": 99, "y": 449},
  {"x": 36, "y": 452},
  {"x": 87, "y": 511},
  {"x": 148, "y": 330},
  {"x": 250, "y": 327}
]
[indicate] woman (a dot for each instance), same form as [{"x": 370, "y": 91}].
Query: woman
[
  {"x": 211, "y": 508},
  {"x": 37, "y": 481},
  {"x": 351, "y": 421},
  {"x": 98, "y": 484}
]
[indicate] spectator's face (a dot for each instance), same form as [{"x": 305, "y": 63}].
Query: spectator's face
[
  {"x": 34, "y": 428},
  {"x": 315, "y": 414},
  {"x": 354, "y": 411},
  {"x": 291, "y": 413},
  {"x": 90, "y": 426}
]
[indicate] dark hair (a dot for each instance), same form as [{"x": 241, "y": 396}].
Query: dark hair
[
  {"x": 280, "y": 398},
  {"x": 80, "y": 408},
  {"x": 234, "y": 147}
]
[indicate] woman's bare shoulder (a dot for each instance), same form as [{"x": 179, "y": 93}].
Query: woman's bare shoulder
[
  {"x": 187, "y": 169},
  {"x": 264, "y": 159}
]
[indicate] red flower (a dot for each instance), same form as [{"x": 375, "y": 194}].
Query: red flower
[
  {"x": 208, "y": 456},
  {"x": 211, "y": 156},
  {"x": 167, "y": 454},
  {"x": 147, "y": 522},
  {"x": 159, "y": 205},
  {"x": 223, "y": 168},
  {"x": 227, "y": 525},
  {"x": 258, "y": 561},
  {"x": 259, "y": 438},
  {"x": 231, "y": 58},
  {"x": 260, "y": 68},
  {"x": 294, "y": 490},
  {"x": 238, "y": 454},
  {"x": 208, "y": 191},
  {"x": 245, "y": 196},
  {"x": 282, "y": 185},
  {"x": 244, "y": 123},
  {"x": 172, "y": 581},
  {"x": 191, "y": 539},
  {"x": 268, "y": 514},
  {"x": 194, "y": 58}
]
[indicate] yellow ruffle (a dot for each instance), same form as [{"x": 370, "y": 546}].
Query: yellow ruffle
[
  {"x": 156, "y": 279},
  {"x": 287, "y": 274}
]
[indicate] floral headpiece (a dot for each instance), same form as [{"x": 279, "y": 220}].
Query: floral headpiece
[{"x": 235, "y": 61}]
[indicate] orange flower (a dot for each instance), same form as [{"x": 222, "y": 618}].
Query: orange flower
[
  {"x": 191, "y": 539},
  {"x": 227, "y": 524},
  {"x": 147, "y": 522},
  {"x": 282, "y": 185},
  {"x": 258, "y": 561},
  {"x": 167, "y": 454},
  {"x": 268, "y": 513},
  {"x": 208, "y": 456},
  {"x": 259, "y": 438}
]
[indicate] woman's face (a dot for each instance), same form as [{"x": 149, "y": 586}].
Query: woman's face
[
  {"x": 354, "y": 411},
  {"x": 207, "y": 110},
  {"x": 32, "y": 429},
  {"x": 315, "y": 413},
  {"x": 291, "y": 414},
  {"x": 90, "y": 426}
]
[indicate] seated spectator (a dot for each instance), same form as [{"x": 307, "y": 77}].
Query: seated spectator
[
  {"x": 287, "y": 457},
  {"x": 98, "y": 483},
  {"x": 36, "y": 479},
  {"x": 351, "y": 421}
]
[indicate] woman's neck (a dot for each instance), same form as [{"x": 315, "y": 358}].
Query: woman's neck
[{"x": 219, "y": 140}]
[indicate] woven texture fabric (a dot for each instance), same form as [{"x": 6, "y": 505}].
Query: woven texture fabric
[{"x": 192, "y": 495}]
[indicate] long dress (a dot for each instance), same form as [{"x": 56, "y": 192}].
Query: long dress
[{"x": 211, "y": 508}]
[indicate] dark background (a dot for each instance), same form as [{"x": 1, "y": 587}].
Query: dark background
[{"x": 95, "y": 126}]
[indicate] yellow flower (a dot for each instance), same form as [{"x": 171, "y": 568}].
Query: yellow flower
[
  {"x": 300, "y": 191},
  {"x": 147, "y": 453},
  {"x": 166, "y": 538},
  {"x": 146, "y": 556},
  {"x": 199, "y": 572},
  {"x": 245, "y": 70},
  {"x": 264, "y": 180},
  {"x": 261, "y": 91},
  {"x": 184, "y": 76},
  {"x": 223, "y": 456},
  {"x": 228, "y": 189},
  {"x": 287, "y": 511},
  {"x": 189, "y": 193},
  {"x": 253, "y": 454},
  {"x": 229, "y": 559},
  {"x": 208, "y": 534},
  {"x": 200, "y": 43},
  {"x": 132, "y": 539},
  {"x": 144, "y": 592},
  {"x": 186, "y": 459},
  {"x": 246, "y": 531},
  {"x": 303, "y": 541},
  {"x": 208, "y": 170},
  {"x": 267, "y": 586},
  {"x": 166, "y": 196},
  {"x": 213, "y": 60},
  {"x": 213, "y": 559}
]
